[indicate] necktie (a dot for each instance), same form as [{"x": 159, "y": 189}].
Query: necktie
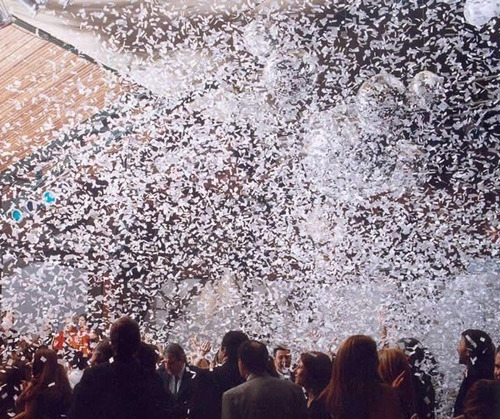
[{"x": 176, "y": 383}]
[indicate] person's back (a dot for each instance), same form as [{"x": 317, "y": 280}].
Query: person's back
[
  {"x": 264, "y": 397},
  {"x": 385, "y": 403},
  {"x": 261, "y": 396},
  {"x": 121, "y": 389}
]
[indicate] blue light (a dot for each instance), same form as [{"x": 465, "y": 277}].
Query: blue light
[
  {"x": 49, "y": 197},
  {"x": 17, "y": 215}
]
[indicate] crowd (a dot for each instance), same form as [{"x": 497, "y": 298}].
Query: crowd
[{"x": 75, "y": 374}]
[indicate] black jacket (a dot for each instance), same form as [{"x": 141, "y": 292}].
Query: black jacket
[{"x": 119, "y": 390}]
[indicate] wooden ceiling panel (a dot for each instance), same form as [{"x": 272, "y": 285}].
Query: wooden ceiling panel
[{"x": 43, "y": 89}]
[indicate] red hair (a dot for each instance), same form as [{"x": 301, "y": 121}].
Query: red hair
[
  {"x": 350, "y": 392},
  {"x": 393, "y": 362}
]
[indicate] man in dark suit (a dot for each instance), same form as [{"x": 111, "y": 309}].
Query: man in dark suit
[
  {"x": 180, "y": 381},
  {"x": 261, "y": 396},
  {"x": 120, "y": 389},
  {"x": 207, "y": 398}
]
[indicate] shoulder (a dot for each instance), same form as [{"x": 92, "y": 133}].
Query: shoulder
[
  {"x": 387, "y": 403},
  {"x": 388, "y": 391}
]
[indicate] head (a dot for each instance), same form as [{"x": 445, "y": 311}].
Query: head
[
  {"x": 483, "y": 400},
  {"x": 102, "y": 353},
  {"x": 147, "y": 355},
  {"x": 174, "y": 358},
  {"x": 78, "y": 361},
  {"x": 392, "y": 363},
  {"x": 313, "y": 372},
  {"x": 45, "y": 365},
  {"x": 230, "y": 344},
  {"x": 48, "y": 376},
  {"x": 354, "y": 378},
  {"x": 125, "y": 337},
  {"x": 476, "y": 350},
  {"x": 252, "y": 358},
  {"x": 82, "y": 321},
  {"x": 282, "y": 358},
  {"x": 497, "y": 365}
]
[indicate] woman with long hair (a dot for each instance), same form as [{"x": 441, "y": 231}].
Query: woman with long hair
[
  {"x": 356, "y": 389},
  {"x": 425, "y": 375},
  {"x": 477, "y": 352},
  {"x": 48, "y": 394},
  {"x": 313, "y": 373},
  {"x": 394, "y": 369}
]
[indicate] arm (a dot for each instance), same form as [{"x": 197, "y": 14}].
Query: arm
[
  {"x": 228, "y": 407},
  {"x": 29, "y": 410}
]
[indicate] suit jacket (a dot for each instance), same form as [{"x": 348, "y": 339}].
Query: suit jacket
[
  {"x": 181, "y": 405},
  {"x": 226, "y": 376},
  {"x": 208, "y": 399},
  {"x": 120, "y": 390},
  {"x": 264, "y": 397}
]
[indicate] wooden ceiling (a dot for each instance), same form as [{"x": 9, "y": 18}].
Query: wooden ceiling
[{"x": 45, "y": 88}]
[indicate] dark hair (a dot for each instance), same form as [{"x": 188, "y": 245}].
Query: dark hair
[
  {"x": 483, "y": 400},
  {"x": 125, "y": 337},
  {"x": 318, "y": 371},
  {"x": 78, "y": 361},
  {"x": 481, "y": 352},
  {"x": 103, "y": 352},
  {"x": 12, "y": 375},
  {"x": 231, "y": 342},
  {"x": 271, "y": 368},
  {"x": 280, "y": 348},
  {"x": 351, "y": 389},
  {"x": 254, "y": 356},
  {"x": 419, "y": 357},
  {"x": 175, "y": 350},
  {"x": 147, "y": 355}
]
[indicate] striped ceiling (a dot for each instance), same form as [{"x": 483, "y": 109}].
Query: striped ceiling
[{"x": 45, "y": 89}]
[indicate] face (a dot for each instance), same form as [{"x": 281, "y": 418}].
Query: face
[
  {"x": 463, "y": 352},
  {"x": 497, "y": 366},
  {"x": 300, "y": 374},
  {"x": 82, "y": 322},
  {"x": 282, "y": 360},
  {"x": 173, "y": 365}
]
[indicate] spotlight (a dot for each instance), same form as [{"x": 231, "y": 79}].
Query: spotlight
[{"x": 5, "y": 17}]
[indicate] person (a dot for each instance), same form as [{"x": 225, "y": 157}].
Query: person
[
  {"x": 121, "y": 389},
  {"x": 48, "y": 393},
  {"x": 261, "y": 396},
  {"x": 283, "y": 361},
  {"x": 496, "y": 371},
  {"x": 355, "y": 389},
  {"x": 12, "y": 375},
  {"x": 84, "y": 336},
  {"x": 394, "y": 369},
  {"x": 77, "y": 365},
  {"x": 227, "y": 375},
  {"x": 476, "y": 352},
  {"x": 199, "y": 353},
  {"x": 102, "y": 353},
  {"x": 179, "y": 380},
  {"x": 482, "y": 401},
  {"x": 424, "y": 372},
  {"x": 211, "y": 384},
  {"x": 313, "y": 373}
]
